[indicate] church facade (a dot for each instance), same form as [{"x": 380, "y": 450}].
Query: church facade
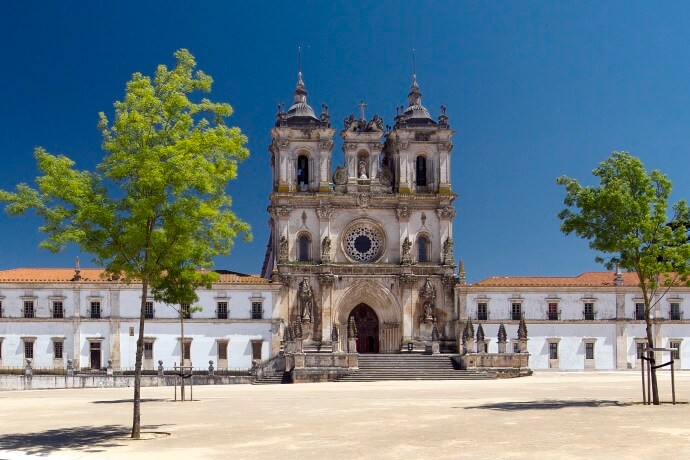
[{"x": 369, "y": 240}]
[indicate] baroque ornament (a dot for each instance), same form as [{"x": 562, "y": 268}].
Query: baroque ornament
[{"x": 340, "y": 176}]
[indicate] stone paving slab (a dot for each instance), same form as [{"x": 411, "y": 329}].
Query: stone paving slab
[{"x": 555, "y": 415}]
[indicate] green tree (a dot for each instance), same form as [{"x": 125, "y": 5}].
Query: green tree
[
  {"x": 156, "y": 206},
  {"x": 626, "y": 219}
]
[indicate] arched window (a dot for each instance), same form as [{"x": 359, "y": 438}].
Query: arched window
[
  {"x": 302, "y": 171},
  {"x": 421, "y": 171},
  {"x": 423, "y": 249},
  {"x": 303, "y": 248}
]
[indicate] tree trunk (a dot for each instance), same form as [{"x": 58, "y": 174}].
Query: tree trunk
[
  {"x": 650, "y": 355},
  {"x": 182, "y": 313},
  {"x": 136, "y": 422}
]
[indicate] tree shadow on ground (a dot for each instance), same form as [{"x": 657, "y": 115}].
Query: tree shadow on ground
[
  {"x": 549, "y": 404},
  {"x": 89, "y": 439},
  {"x": 122, "y": 401}
]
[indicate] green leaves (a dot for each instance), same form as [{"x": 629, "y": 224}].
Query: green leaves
[
  {"x": 156, "y": 208},
  {"x": 626, "y": 216}
]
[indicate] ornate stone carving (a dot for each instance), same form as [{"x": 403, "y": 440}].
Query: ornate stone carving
[
  {"x": 363, "y": 200},
  {"x": 446, "y": 212},
  {"x": 326, "y": 247},
  {"x": 324, "y": 212},
  {"x": 284, "y": 144},
  {"x": 364, "y": 242},
  {"x": 407, "y": 280},
  {"x": 448, "y": 280},
  {"x": 480, "y": 337},
  {"x": 423, "y": 218},
  {"x": 340, "y": 176},
  {"x": 448, "y": 251},
  {"x": 468, "y": 331},
  {"x": 385, "y": 177},
  {"x": 352, "y": 328},
  {"x": 445, "y": 146},
  {"x": 376, "y": 124},
  {"x": 325, "y": 279},
  {"x": 462, "y": 277},
  {"x": 283, "y": 279},
  {"x": 334, "y": 333},
  {"x": 403, "y": 213},
  {"x": 351, "y": 146},
  {"x": 435, "y": 336},
  {"x": 422, "y": 136},
  {"x": 304, "y": 217},
  {"x": 326, "y": 145},
  {"x": 280, "y": 211},
  {"x": 427, "y": 294},
  {"x": 283, "y": 250},
  {"x": 306, "y": 301},
  {"x": 406, "y": 248},
  {"x": 502, "y": 335},
  {"x": 522, "y": 329}
]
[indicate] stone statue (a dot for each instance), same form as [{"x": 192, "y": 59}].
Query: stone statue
[
  {"x": 326, "y": 246},
  {"x": 406, "y": 248},
  {"x": 283, "y": 254},
  {"x": 306, "y": 301},
  {"x": 334, "y": 333},
  {"x": 428, "y": 294},
  {"x": 448, "y": 250},
  {"x": 362, "y": 169}
]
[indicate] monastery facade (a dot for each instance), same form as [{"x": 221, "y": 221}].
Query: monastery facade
[{"x": 360, "y": 260}]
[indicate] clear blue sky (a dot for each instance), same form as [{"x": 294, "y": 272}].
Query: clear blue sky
[{"x": 533, "y": 89}]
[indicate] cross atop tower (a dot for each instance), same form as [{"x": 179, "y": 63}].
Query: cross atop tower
[{"x": 362, "y": 106}]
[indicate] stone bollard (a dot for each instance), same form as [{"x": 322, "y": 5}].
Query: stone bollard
[
  {"x": 160, "y": 369},
  {"x": 28, "y": 370},
  {"x": 210, "y": 368},
  {"x": 435, "y": 347},
  {"x": 523, "y": 345},
  {"x": 501, "y": 347},
  {"x": 352, "y": 345}
]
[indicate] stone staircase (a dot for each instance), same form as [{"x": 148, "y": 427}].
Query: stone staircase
[
  {"x": 273, "y": 378},
  {"x": 403, "y": 366}
]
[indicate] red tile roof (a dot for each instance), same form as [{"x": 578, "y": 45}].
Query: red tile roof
[
  {"x": 587, "y": 279},
  {"x": 96, "y": 275}
]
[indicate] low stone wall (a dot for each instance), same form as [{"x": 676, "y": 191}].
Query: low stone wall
[
  {"x": 493, "y": 361},
  {"x": 319, "y": 367},
  {"x": 51, "y": 382}
]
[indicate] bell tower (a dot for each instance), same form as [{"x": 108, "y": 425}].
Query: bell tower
[{"x": 301, "y": 146}]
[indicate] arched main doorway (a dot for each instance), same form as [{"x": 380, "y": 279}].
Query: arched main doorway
[{"x": 367, "y": 328}]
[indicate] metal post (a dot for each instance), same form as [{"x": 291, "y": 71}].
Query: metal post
[
  {"x": 673, "y": 380},
  {"x": 644, "y": 391},
  {"x": 175, "y": 380},
  {"x": 191, "y": 382},
  {"x": 650, "y": 363}
]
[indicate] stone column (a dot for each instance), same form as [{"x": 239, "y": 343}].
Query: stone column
[
  {"x": 326, "y": 283},
  {"x": 621, "y": 332},
  {"x": 407, "y": 283}
]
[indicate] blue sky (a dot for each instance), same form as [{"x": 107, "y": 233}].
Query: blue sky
[{"x": 533, "y": 89}]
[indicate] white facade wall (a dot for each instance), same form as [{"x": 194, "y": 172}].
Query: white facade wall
[
  {"x": 613, "y": 326},
  {"x": 117, "y": 328}
]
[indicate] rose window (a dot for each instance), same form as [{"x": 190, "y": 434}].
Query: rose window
[{"x": 364, "y": 243}]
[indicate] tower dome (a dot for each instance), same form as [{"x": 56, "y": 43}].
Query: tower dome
[
  {"x": 416, "y": 113},
  {"x": 300, "y": 113}
]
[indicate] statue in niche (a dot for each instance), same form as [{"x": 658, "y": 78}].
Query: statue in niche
[
  {"x": 326, "y": 246},
  {"x": 428, "y": 294},
  {"x": 306, "y": 301},
  {"x": 406, "y": 248},
  {"x": 448, "y": 251},
  {"x": 283, "y": 254},
  {"x": 362, "y": 169}
]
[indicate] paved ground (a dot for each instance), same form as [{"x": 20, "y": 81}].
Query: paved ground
[{"x": 557, "y": 415}]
